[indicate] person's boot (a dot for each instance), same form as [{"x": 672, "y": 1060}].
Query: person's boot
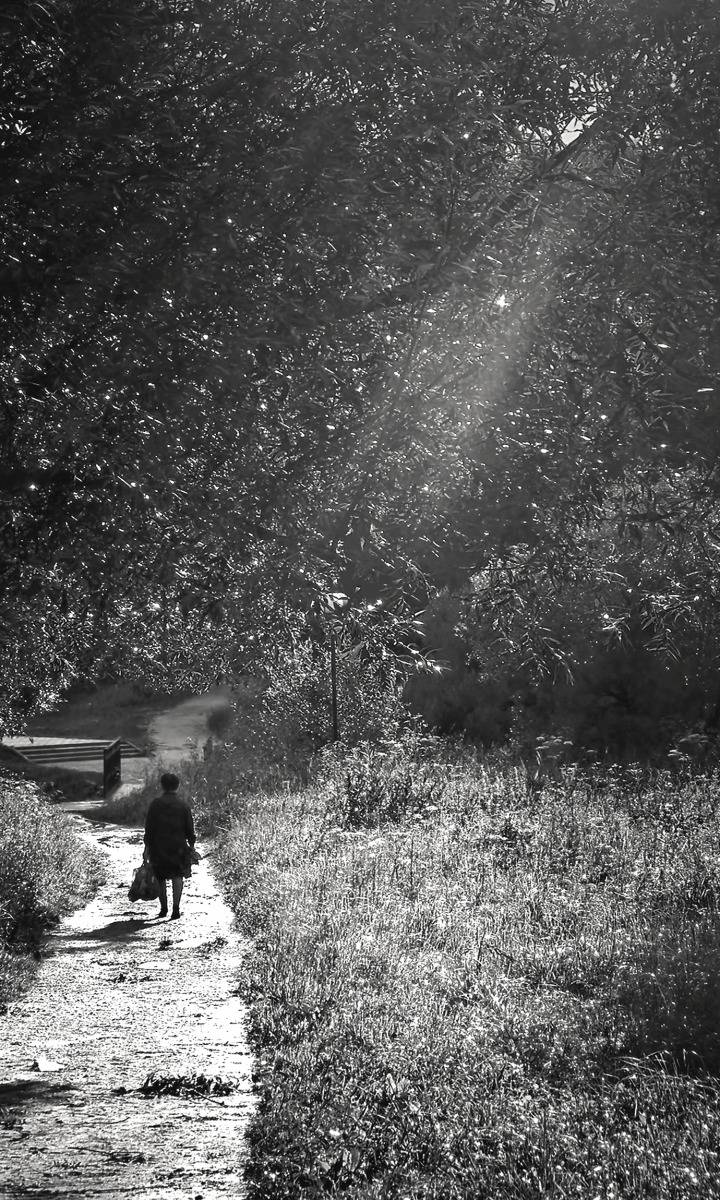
[
  {"x": 174, "y": 915},
  {"x": 163, "y": 910}
]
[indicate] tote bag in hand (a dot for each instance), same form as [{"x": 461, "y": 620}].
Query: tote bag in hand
[{"x": 144, "y": 885}]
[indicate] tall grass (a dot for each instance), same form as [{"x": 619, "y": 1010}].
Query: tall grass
[
  {"x": 46, "y": 870},
  {"x": 216, "y": 789},
  {"x": 459, "y": 989}
]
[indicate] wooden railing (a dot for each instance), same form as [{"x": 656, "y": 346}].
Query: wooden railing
[{"x": 109, "y": 753}]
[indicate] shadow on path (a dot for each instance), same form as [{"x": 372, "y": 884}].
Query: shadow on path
[
  {"x": 116, "y": 931},
  {"x": 17, "y": 1091}
]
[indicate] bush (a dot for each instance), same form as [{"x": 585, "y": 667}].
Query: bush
[
  {"x": 214, "y": 787},
  {"x": 291, "y": 719},
  {"x": 45, "y": 872},
  {"x": 373, "y": 785},
  {"x": 672, "y": 997},
  {"x": 460, "y": 702}
]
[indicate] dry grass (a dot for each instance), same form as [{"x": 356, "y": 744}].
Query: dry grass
[{"x": 492, "y": 995}]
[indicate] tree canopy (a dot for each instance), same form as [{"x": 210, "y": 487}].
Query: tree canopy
[{"x": 382, "y": 299}]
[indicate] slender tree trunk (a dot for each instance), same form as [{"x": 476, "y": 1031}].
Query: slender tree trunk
[{"x": 333, "y": 687}]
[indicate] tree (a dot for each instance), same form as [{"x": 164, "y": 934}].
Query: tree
[{"x": 315, "y": 299}]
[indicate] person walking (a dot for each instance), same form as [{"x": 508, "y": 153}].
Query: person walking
[{"x": 170, "y": 842}]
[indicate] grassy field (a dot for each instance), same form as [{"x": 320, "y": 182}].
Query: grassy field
[
  {"x": 459, "y": 989},
  {"x": 45, "y": 871}
]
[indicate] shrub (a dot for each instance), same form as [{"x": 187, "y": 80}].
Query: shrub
[
  {"x": 373, "y": 785},
  {"x": 672, "y": 997},
  {"x": 291, "y": 719},
  {"x": 460, "y": 702},
  {"x": 220, "y": 720},
  {"x": 214, "y": 786},
  {"x": 45, "y": 871}
]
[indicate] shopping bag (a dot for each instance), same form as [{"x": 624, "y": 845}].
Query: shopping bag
[{"x": 144, "y": 885}]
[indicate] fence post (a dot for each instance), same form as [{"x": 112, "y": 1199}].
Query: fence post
[{"x": 112, "y": 766}]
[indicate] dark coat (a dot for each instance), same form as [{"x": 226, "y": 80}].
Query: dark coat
[{"x": 169, "y": 836}]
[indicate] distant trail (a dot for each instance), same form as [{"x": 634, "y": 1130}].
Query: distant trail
[
  {"x": 182, "y": 730},
  {"x": 122, "y": 995}
]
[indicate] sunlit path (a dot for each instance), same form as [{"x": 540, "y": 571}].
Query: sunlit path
[{"x": 123, "y": 995}]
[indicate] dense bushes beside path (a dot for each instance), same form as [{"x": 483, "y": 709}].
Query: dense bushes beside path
[
  {"x": 459, "y": 989},
  {"x": 46, "y": 870}
]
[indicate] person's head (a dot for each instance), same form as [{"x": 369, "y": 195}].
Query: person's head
[{"x": 169, "y": 782}]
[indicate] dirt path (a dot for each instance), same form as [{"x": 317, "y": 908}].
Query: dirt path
[{"x": 122, "y": 996}]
